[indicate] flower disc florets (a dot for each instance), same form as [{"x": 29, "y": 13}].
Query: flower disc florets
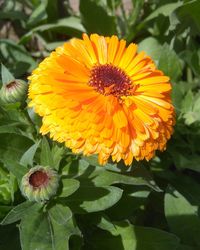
[
  {"x": 110, "y": 80},
  {"x": 39, "y": 184}
]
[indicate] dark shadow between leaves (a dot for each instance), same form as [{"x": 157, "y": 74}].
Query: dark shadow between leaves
[
  {"x": 9, "y": 239},
  {"x": 73, "y": 168},
  {"x": 186, "y": 227},
  {"x": 21, "y": 68},
  {"x": 103, "y": 240},
  {"x": 75, "y": 242}
]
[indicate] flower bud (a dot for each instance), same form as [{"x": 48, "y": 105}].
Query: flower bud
[
  {"x": 39, "y": 184},
  {"x": 15, "y": 91}
]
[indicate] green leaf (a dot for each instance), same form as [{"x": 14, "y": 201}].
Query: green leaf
[
  {"x": 12, "y": 185},
  {"x": 187, "y": 101},
  {"x": 39, "y": 14},
  {"x": 69, "y": 25},
  {"x": 178, "y": 95},
  {"x": 144, "y": 238},
  {"x": 196, "y": 106},
  {"x": 105, "y": 224},
  {"x": 7, "y": 186},
  {"x": 13, "y": 147},
  {"x": 124, "y": 236},
  {"x": 17, "y": 212},
  {"x": 12, "y": 15},
  {"x": 4, "y": 209},
  {"x": 16, "y": 169},
  {"x": 42, "y": 231},
  {"x": 17, "y": 57},
  {"x": 195, "y": 61},
  {"x": 133, "y": 199},
  {"x": 46, "y": 158},
  {"x": 152, "y": 48},
  {"x": 186, "y": 161},
  {"x": 165, "y": 10},
  {"x": 6, "y": 75},
  {"x": 62, "y": 234},
  {"x": 169, "y": 63},
  {"x": 192, "y": 58},
  {"x": 112, "y": 5},
  {"x": 57, "y": 154},
  {"x": 184, "y": 184},
  {"x": 92, "y": 199},
  {"x": 36, "y": 232},
  {"x": 53, "y": 10},
  {"x": 134, "y": 16},
  {"x": 53, "y": 45},
  {"x": 182, "y": 218},
  {"x": 81, "y": 168},
  {"x": 61, "y": 214},
  {"x": 107, "y": 178},
  {"x": 188, "y": 15},
  {"x": 165, "y": 57},
  {"x": 10, "y": 128},
  {"x": 69, "y": 186},
  {"x": 96, "y": 19},
  {"x": 191, "y": 117},
  {"x": 27, "y": 157},
  {"x": 93, "y": 161}
]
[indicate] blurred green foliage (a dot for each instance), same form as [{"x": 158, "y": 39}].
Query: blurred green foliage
[{"x": 149, "y": 206}]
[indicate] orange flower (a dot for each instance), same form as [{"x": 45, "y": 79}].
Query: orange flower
[{"x": 101, "y": 97}]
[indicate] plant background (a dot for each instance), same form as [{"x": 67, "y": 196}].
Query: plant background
[{"x": 148, "y": 206}]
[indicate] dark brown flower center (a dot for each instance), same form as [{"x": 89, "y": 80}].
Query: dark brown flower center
[
  {"x": 38, "y": 178},
  {"x": 110, "y": 80},
  {"x": 11, "y": 85}
]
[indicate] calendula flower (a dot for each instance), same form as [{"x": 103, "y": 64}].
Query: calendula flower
[
  {"x": 39, "y": 184},
  {"x": 100, "y": 97}
]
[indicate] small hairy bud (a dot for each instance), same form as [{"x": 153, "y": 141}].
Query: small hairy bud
[
  {"x": 39, "y": 184},
  {"x": 15, "y": 91}
]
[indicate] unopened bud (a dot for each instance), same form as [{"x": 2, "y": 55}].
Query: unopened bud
[
  {"x": 15, "y": 91},
  {"x": 39, "y": 184}
]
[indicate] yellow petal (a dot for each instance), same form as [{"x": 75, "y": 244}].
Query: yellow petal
[{"x": 120, "y": 119}]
